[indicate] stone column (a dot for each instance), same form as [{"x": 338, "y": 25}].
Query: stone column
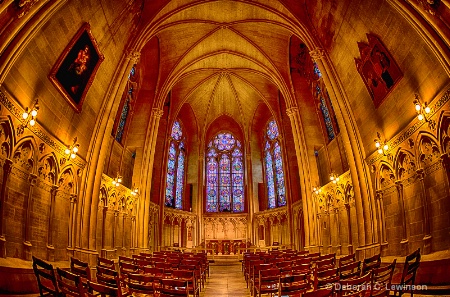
[
  {"x": 382, "y": 221},
  {"x": 104, "y": 210},
  {"x": 72, "y": 217},
  {"x": 304, "y": 173},
  {"x": 7, "y": 166},
  {"x": 402, "y": 214},
  {"x": 336, "y": 217},
  {"x": 27, "y": 225},
  {"x": 50, "y": 247},
  {"x": 124, "y": 249},
  {"x": 114, "y": 231},
  {"x": 349, "y": 227},
  {"x": 426, "y": 215}
]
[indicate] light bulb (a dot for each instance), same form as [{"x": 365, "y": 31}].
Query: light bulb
[
  {"x": 34, "y": 112},
  {"x": 377, "y": 144},
  {"x": 334, "y": 181},
  {"x": 331, "y": 177},
  {"x": 32, "y": 122},
  {"x": 337, "y": 179},
  {"x": 75, "y": 149},
  {"x": 380, "y": 151},
  {"x": 73, "y": 155},
  {"x": 117, "y": 184},
  {"x": 114, "y": 182},
  {"x": 25, "y": 115},
  {"x": 385, "y": 147},
  {"x": 136, "y": 190},
  {"x": 420, "y": 117},
  {"x": 67, "y": 151},
  {"x": 418, "y": 107},
  {"x": 119, "y": 180},
  {"x": 427, "y": 109}
]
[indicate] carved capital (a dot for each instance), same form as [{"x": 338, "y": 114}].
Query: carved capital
[
  {"x": 32, "y": 179},
  {"x": 292, "y": 111},
  {"x": 399, "y": 185},
  {"x": 157, "y": 112},
  {"x": 73, "y": 198},
  {"x": 420, "y": 173},
  {"x": 7, "y": 166},
  {"x": 317, "y": 53},
  {"x": 134, "y": 56},
  {"x": 379, "y": 194}
]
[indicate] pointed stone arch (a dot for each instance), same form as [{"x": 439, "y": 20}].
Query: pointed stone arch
[
  {"x": 103, "y": 196},
  {"x": 48, "y": 168},
  {"x": 385, "y": 176},
  {"x": 67, "y": 180},
  {"x": 427, "y": 149},
  {"x": 405, "y": 164},
  {"x": 7, "y": 137},
  {"x": 443, "y": 132},
  {"x": 25, "y": 154}
]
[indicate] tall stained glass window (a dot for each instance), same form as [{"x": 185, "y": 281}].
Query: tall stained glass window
[
  {"x": 175, "y": 168},
  {"x": 126, "y": 104},
  {"x": 224, "y": 174},
  {"x": 273, "y": 162}
]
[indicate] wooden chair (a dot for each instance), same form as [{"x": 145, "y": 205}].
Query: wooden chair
[
  {"x": 370, "y": 263},
  {"x": 108, "y": 277},
  {"x": 325, "y": 278},
  {"x": 154, "y": 271},
  {"x": 350, "y": 270},
  {"x": 407, "y": 278},
  {"x": 325, "y": 263},
  {"x": 173, "y": 288},
  {"x": 347, "y": 259},
  {"x": 355, "y": 287},
  {"x": 70, "y": 284},
  {"x": 46, "y": 278},
  {"x": 81, "y": 268},
  {"x": 125, "y": 269},
  {"x": 189, "y": 276},
  {"x": 382, "y": 279},
  {"x": 140, "y": 284},
  {"x": 268, "y": 281},
  {"x": 107, "y": 263},
  {"x": 293, "y": 285},
  {"x": 96, "y": 289},
  {"x": 123, "y": 259}
]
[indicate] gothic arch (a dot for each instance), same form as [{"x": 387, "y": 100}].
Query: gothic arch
[
  {"x": 443, "y": 132},
  {"x": 25, "y": 154},
  {"x": 66, "y": 180},
  {"x": 7, "y": 136},
  {"x": 385, "y": 176},
  {"x": 48, "y": 168},
  {"x": 427, "y": 149},
  {"x": 404, "y": 164},
  {"x": 103, "y": 196}
]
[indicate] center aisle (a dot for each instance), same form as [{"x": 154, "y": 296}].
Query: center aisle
[{"x": 226, "y": 279}]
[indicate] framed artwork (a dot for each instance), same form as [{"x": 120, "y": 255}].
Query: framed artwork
[
  {"x": 75, "y": 69},
  {"x": 377, "y": 68}
]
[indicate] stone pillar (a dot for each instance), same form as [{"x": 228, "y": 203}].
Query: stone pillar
[
  {"x": 114, "y": 231},
  {"x": 382, "y": 221},
  {"x": 338, "y": 229},
  {"x": 402, "y": 214},
  {"x": 124, "y": 248},
  {"x": 72, "y": 217},
  {"x": 50, "y": 247},
  {"x": 304, "y": 171},
  {"x": 7, "y": 166},
  {"x": 349, "y": 227},
  {"x": 426, "y": 215},
  {"x": 27, "y": 225},
  {"x": 104, "y": 210}
]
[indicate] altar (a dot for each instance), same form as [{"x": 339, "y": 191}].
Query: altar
[{"x": 226, "y": 246}]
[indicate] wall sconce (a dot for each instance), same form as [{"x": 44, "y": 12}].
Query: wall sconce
[
  {"x": 317, "y": 190},
  {"x": 334, "y": 177},
  {"x": 382, "y": 146},
  {"x": 134, "y": 191},
  {"x": 422, "y": 109},
  {"x": 29, "y": 117},
  {"x": 72, "y": 150},
  {"x": 116, "y": 182}
]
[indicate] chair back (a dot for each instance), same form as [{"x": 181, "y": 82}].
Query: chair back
[
  {"x": 81, "y": 268},
  {"x": 96, "y": 289},
  {"x": 107, "y": 263},
  {"x": 70, "y": 284},
  {"x": 46, "y": 278},
  {"x": 347, "y": 259},
  {"x": 140, "y": 284},
  {"x": 350, "y": 270},
  {"x": 293, "y": 285},
  {"x": 355, "y": 287},
  {"x": 382, "y": 279},
  {"x": 108, "y": 277},
  {"x": 412, "y": 263},
  {"x": 371, "y": 263},
  {"x": 174, "y": 288}
]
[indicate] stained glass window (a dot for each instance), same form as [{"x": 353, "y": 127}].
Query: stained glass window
[
  {"x": 273, "y": 160},
  {"x": 126, "y": 105},
  {"x": 175, "y": 168},
  {"x": 224, "y": 175}
]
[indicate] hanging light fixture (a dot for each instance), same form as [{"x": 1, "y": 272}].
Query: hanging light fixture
[
  {"x": 422, "y": 108},
  {"x": 117, "y": 180},
  {"x": 72, "y": 150},
  {"x": 134, "y": 191},
  {"x": 334, "y": 177},
  {"x": 29, "y": 117}
]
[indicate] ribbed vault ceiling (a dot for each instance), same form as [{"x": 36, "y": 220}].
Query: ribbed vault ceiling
[{"x": 222, "y": 57}]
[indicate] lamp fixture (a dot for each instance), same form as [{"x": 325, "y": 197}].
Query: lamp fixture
[
  {"x": 134, "y": 191},
  {"x": 381, "y": 145},
  {"x": 118, "y": 180},
  {"x": 422, "y": 108},
  {"x": 334, "y": 177},
  {"x": 317, "y": 190},
  {"x": 71, "y": 150},
  {"x": 29, "y": 117}
]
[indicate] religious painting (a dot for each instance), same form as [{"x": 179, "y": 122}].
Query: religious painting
[
  {"x": 377, "y": 68},
  {"x": 75, "y": 69}
]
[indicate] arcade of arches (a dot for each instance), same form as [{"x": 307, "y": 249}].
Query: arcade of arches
[{"x": 224, "y": 121}]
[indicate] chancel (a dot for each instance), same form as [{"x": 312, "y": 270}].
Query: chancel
[{"x": 232, "y": 139}]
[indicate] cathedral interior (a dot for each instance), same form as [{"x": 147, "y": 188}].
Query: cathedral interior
[{"x": 222, "y": 126}]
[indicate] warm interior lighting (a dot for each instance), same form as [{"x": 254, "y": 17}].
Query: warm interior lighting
[
  {"x": 117, "y": 180},
  {"x": 29, "y": 117},
  {"x": 382, "y": 146},
  {"x": 422, "y": 108},
  {"x": 71, "y": 150},
  {"x": 334, "y": 177}
]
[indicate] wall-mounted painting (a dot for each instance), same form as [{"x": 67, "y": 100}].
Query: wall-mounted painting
[
  {"x": 75, "y": 69},
  {"x": 377, "y": 68}
]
